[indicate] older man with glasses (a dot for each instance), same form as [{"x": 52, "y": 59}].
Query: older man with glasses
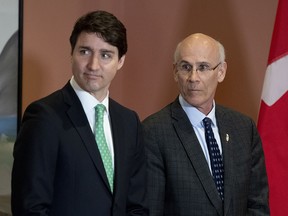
[{"x": 203, "y": 158}]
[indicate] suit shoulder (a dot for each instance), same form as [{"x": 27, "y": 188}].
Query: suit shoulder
[
  {"x": 121, "y": 110},
  {"x": 52, "y": 101},
  {"x": 58, "y": 97},
  {"x": 54, "y": 104},
  {"x": 118, "y": 106},
  {"x": 233, "y": 115},
  {"x": 161, "y": 116}
]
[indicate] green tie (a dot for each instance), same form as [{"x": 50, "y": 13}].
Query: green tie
[{"x": 102, "y": 144}]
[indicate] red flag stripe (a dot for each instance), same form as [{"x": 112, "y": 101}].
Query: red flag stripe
[
  {"x": 273, "y": 114},
  {"x": 279, "y": 42}
]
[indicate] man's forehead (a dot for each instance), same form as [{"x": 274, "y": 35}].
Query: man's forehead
[
  {"x": 198, "y": 49},
  {"x": 92, "y": 39}
]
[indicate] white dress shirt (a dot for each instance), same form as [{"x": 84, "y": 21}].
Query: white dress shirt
[
  {"x": 196, "y": 118},
  {"x": 89, "y": 103}
]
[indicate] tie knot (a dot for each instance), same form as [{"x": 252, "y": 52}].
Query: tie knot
[
  {"x": 100, "y": 108},
  {"x": 207, "y": 122}
]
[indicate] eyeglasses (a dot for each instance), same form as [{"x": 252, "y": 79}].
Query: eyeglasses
[{"x": 186, "y": 68}]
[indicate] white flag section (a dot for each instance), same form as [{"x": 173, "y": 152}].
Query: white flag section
[
  {"x": 273, "y": 114},
  {"x": 276, "y": 81}
]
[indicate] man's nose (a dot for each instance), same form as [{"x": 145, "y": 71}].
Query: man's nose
[
  {"x": 193, "y": 75},
  {"x": 93, "y": 63}
]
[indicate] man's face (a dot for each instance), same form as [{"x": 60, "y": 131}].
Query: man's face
[
  {"x": 94, "y": 64},
  {"x": 198, "y": 88}
]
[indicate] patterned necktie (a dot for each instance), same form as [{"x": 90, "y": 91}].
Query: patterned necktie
[
  {"x": 215, "y": 157},
  {"x": 102, "y": 144}
]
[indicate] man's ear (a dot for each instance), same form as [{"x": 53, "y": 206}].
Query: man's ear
[
  {"x": 121, "y": 62},
  {"x": 222, "y": 72},
  {"x": 175, "y": 72}
]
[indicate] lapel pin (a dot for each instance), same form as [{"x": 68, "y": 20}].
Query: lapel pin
[{"x": 227, "y": 137}]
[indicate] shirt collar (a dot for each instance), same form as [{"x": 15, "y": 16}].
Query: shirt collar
[
  {"x": 194, "y": 115},
  {"x": 88, "y": 101}
]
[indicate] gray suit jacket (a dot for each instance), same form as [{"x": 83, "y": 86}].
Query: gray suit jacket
[{"x": 179, "y": 179}]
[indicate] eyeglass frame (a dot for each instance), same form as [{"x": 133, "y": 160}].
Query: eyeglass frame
[{"x": 197, "y": 68}]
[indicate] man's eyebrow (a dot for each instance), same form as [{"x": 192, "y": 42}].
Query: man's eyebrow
[
  {"x": 184, "y": 61},
  {"x": 107, "y": 51},
  {"x": 202, "y": 62},
  {"x": 84, "y": 47},
  {"x": 197, "y": 63},
  {"x": 101, "y": 50}
]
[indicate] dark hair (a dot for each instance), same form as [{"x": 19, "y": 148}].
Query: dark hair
[{"x": 105, "y": 25}]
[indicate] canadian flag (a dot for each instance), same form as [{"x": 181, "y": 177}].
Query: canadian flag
[{"x": 273, "y": 114}]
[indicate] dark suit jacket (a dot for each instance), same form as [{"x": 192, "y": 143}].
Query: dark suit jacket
[
  {"x": 179, "y": 179},
  {"x": 57, "y": 166}
]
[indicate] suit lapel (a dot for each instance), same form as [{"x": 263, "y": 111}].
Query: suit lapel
[
  {"x": 119, "y": 149},
  {"x": 195, "y": 154},
  {"x": 227, "y": 144},
  {"x": 78, "y": 118},
  {"x": 116, "y": 130}
]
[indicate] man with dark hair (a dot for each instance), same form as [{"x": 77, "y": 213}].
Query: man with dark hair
[{"x": 78, "y": 152}]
